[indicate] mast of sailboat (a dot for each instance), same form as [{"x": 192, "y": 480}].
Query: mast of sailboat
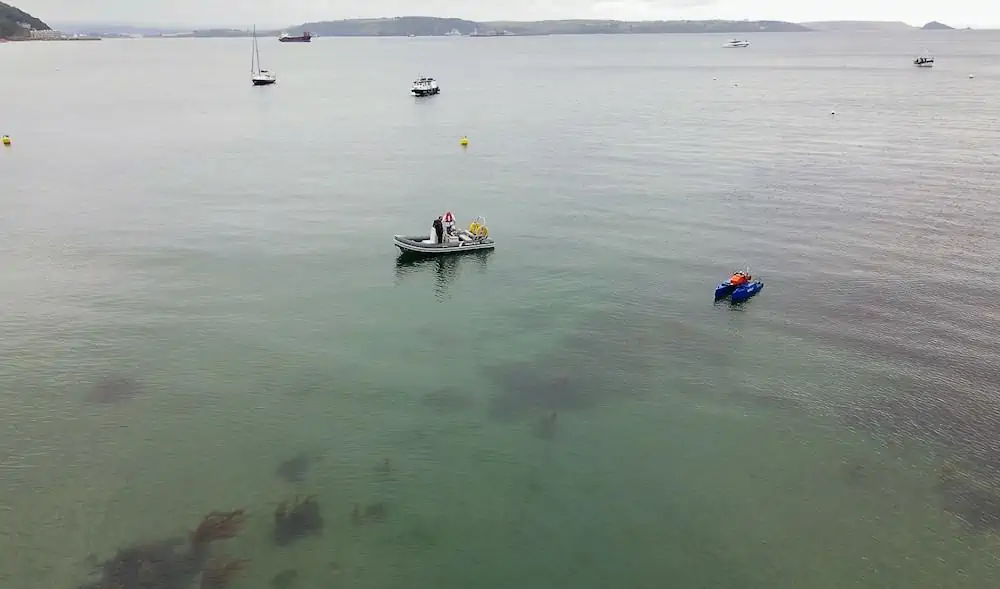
[
  {"x": 253, "y": 52},
  {"x": 256, "y": 48}
]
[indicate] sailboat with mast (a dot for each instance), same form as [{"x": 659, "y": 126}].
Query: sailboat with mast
[{"x": 258, "y": 76}]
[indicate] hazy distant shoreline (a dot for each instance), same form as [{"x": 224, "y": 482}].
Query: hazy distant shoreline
[{"x": 420, "y": 26}]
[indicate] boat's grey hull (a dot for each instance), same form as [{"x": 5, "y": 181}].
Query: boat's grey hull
[{"x": 416, "y": 246}]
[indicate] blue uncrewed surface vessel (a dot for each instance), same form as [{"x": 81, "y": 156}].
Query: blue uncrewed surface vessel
[
  {"x": 724, "y": 290},
  {"x": 745, "y": 292},
  {"x": 739, "y": 288}
]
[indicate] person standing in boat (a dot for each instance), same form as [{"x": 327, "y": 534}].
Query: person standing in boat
[
  {"x": 438, "y": 230},
  {"x": 449, "y": 223}
]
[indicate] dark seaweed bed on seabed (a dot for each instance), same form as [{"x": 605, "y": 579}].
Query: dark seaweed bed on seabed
[{"x": 582, "y": 374}]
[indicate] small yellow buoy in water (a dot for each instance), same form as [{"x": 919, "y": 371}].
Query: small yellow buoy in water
[
  {"x": 464, "y": 142},
  {"x": 5, "y": 140}
]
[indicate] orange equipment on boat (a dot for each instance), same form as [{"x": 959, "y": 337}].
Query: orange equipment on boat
[{"x": 739, "y": 279}]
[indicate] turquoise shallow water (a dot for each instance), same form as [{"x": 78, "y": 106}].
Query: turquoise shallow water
[{"x": 226, "y": 250}]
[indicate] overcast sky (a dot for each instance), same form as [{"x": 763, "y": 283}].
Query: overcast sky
[{"x": 280, "y": 13}]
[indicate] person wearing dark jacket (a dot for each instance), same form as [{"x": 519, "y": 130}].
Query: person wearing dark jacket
[{"x": 439, "y": 230}]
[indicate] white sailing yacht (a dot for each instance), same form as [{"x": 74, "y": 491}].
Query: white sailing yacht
[{"x": 258, "y": 76}]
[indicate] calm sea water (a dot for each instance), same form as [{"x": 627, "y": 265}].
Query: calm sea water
[{"x": 199, "y": 284}]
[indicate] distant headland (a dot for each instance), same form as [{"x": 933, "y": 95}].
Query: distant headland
[
  {"x": 869, "y": 26},
  {"x": 15, "y": 24},
  {"x": 18, "y": 25},
  {"x": 428, "y": 26}
]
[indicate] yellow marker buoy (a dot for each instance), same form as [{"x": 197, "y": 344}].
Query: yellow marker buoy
[
  {"x": 464, "y": 141},
  {"x": 5, "y": 140}
]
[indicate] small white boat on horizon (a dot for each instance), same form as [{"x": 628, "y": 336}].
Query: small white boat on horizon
[
  {"x": 737, "y": 43},
  {"x": 924, "y": 61}
]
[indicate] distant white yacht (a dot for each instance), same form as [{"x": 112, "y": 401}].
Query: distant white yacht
[
  {"x": 924, "y": 61},
  {"x": 737, "y": 43}
]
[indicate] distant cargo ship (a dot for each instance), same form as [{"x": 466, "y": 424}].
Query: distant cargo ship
[{"x": 305, "y": 37}]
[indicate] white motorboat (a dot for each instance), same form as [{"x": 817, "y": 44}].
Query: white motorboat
[
  {"x": 476, "y": 237},
  {"x": 924, "y": 61},
  {"x": 737, "y": 43},
  {"x": 424, "y": 86}
]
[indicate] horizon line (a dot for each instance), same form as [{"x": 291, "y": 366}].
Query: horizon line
[{"x": 193, "y": 27}]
